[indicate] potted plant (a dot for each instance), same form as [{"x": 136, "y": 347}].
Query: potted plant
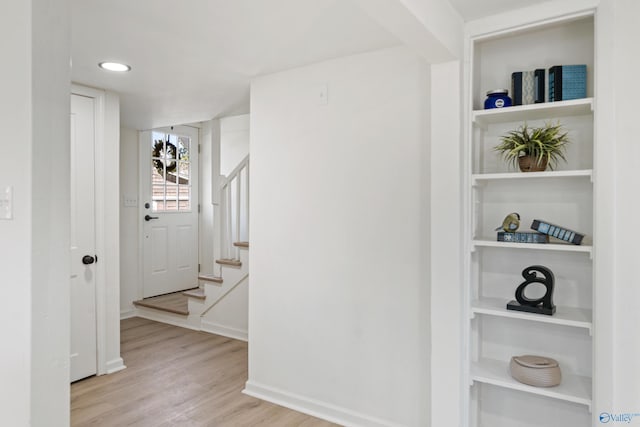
[{"x": 532, "y": 149}]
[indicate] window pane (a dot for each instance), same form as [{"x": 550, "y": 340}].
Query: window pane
[
  {"x": 170, "y": 172},
  {"x": 183, "y": 173},
  {"x": 183, "y": 148},
  {"x": 185, "y": 198},
  {"x": 171, "y": 198},
  {"x": 171, "y": 206}
]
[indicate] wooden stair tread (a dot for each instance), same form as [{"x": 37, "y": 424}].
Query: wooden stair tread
[
  {"x": 195, "y": 293},
  {"x": 232, "y": 262},
  {"x": 175, "y": 303},
  {"x": 206, "y": 278},
  {"x": 241, "y": 244}
]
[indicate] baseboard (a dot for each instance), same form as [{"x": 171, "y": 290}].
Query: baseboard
[
  {"x": 313, "y": 407},
  {"x": 215, "y": 328},
  {"x": 115, "y": 365},
  {"x": 127, "y": 314},
  {"x": 168, "y": 318}
]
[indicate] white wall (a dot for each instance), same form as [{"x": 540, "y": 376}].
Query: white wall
[
  {"x": 234, "y": 142},
  {"x": 128, "y": 221},
  {"x": 446, "y": 253},
  {"x": 339, "y": 295},
  {"x": 625, "y": 64},
  {"x": 50, "y": 213},
  {"x": 15, "y": 246},
  {"x": 34, "y": 260}
]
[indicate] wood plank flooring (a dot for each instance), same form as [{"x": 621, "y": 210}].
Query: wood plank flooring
[
  {"x": 177, "y": 377},
  {"x": 173, "y": 303}
]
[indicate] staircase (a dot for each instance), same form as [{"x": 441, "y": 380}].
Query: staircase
[{"x": 220, "y": 304}]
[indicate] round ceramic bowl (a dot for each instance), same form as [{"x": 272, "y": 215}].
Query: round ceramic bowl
[{"x": 537, "y": 371}]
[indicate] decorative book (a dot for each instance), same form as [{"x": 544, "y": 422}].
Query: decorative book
[
  {"x": 567, "y": 82},
  {"x": 557, "y": 231},
  {"x": 527, "y": 87},
  {"x": 522, "y": 237}
]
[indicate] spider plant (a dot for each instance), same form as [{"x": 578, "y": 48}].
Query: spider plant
[{"x": 542, "y": 145}]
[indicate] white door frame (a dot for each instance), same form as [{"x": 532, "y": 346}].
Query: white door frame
[{"x": 143, "y": 149}]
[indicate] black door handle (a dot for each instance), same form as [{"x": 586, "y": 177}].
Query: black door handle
[
  {"x": 88, "y": 259},
  {"x": 149, "y": 217}
]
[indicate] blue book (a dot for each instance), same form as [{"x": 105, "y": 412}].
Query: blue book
[
  {"x": 522, "y": 237},
  {"x": 556, "y": 231},
  {"x": 567, "y": 82}
]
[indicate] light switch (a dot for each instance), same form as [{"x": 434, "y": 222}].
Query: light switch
[
  {"x": 130, "y": 201},
  {"x": 6, "y": 203}
]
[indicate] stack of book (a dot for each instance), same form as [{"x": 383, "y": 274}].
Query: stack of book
[
  {"x": 565, "y": 82},
  {"x": 541, "y": 235}
]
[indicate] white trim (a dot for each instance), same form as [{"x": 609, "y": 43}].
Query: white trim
[
  {"x": 165, "y": 317},
  {"x": 314, "y": 407},
  {"x": 530, "y": 17},
  {"x": 115, "y": 365},
  {"x": 143, "y": 136},
  {"x": 127, "y": 314},
  {"x": 225, "y": 331},
  {"x": 101, "y": 309}
]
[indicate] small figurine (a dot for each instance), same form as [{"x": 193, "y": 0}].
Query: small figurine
[
  {"x": 510, "y": 223},
  {"x": 542, "y": 305}
]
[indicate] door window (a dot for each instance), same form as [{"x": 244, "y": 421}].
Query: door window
[{"x": 170, "y": 173}]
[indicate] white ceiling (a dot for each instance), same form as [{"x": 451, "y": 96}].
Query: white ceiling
[{"x": 193, "y": 60}]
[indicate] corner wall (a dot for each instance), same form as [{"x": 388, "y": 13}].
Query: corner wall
[
  {"x": 129, "y": 270},
  {"x": 15, "y": 250},
  {"x": 34, "y": 259},
  {"x": 50, "y": 211},
  {"x": 339, "y": 297}
]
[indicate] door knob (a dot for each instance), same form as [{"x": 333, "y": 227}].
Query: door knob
[
  {"x": 149, "y": 217},
  {"x": 88, "y": 259}
]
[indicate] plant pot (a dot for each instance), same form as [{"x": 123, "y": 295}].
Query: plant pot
[{"x": 530, "y": 164}]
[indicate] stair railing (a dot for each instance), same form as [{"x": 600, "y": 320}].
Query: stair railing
[{"x": 234, "y": 209}]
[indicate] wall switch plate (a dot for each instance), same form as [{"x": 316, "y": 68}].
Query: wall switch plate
[
  {"x": 6, "y": 202},
  {"x": 130, "y": 201}
]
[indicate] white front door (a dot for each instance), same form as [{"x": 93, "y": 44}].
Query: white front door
[
  {"x": 83, "y": 252},
  {"x": 169, "y": 209}
]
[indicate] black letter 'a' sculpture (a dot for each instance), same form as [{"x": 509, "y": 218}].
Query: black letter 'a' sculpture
[{"x": 542, "y": 305}]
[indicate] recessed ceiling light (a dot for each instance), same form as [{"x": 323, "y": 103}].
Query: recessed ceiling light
[{"x": 114, "y": 66}]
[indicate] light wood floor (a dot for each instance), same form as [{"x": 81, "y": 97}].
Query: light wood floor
[
  {"x": 173, "y": 303},
  {"x": 176, "y": 377}
]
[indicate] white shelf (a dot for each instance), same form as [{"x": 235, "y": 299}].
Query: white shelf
[
  {"x": 573, "y": 388},
  {"x": 566, "y": 316},
  {"x": 559, "y": 247},
  {"x": 481, "y": 177},
  {"x": 545, "y": 110}
]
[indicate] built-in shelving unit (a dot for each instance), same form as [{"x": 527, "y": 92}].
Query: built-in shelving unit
[
  {"x": 574, "y": 388},
  {"x": 563, "y": 196},
  {"x": 566, "y": 316},
  {"x": 480, "y": 178},
  {"x": 559, "y": 247},
  {"x": 545, "y": 110}
]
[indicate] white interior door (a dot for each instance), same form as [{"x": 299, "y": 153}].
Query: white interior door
[
  {"x": 169, "y": 209},
  {"x": 83, "y": 285}
]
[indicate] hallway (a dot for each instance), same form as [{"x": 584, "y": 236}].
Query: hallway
[{"x": 176, "y": 377}]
